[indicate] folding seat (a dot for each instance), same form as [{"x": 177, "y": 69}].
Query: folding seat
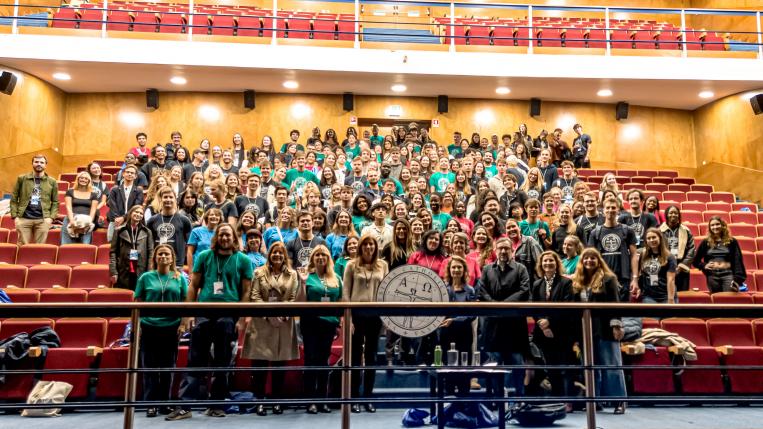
[
  {"x": 7, "y": 222},
  {"x": 644, "y": 39},
  {"x": 707, "y": 214},
  {"x": 621, "y": 39},
  {"x": 649, "y": 323},
  {"x": 759, "y": 259},
  {"x": 757, "y": 330},
  {"x": 99, "y": 237},
  {"x": 324, "y": 28},
  {"x": 574, "y": 38},
  {"x": 146, "y": 22},
  {"x": 119, "y": 20},
  {"x": 223, "y": 25},
  {"x": 674, "y": 196},
  {"x": 693, "y": 43},
  {"x": 18, "y": 386},
  {"x": 63, "y": 295},
  {"x": 723, "y": 196},
  {"x": 32, "y": 254},
  {"x": 346, "y": 29},
  {"x": 110, "y": 295},
  {"x": 757, "y": 297},
  {"x": 102, "y": 256},
  {"x": 693, "y": 227},
  {"x": 22, "y": 295},
  {"x": 113, "y": 384},
  {"x": 549, "y": 37},
  {"x": 172, "y": 22},
  {"x": 586, "y": 172},
  {"x": 700, "y": 380},
  {"x": 249, "y": 26},
  {"x": 659, "y": 187},
  {"x": 48, "y": 276},
  {"x": 667, "y": 40},
  {"x": 751, "y": 281},
  {"x": 743, "y": 230},
  {"x": 693, "y": 205},
  {"x": 745, "y": 382},
  {"x": 115, "y": 329},
  {"x": 735, "y": 332},
  {"x": 731, "y": 298},
  {"x": 90, "y": 277},
  {"x": 12, "y": 275},
  {"x": 201, "y": 22},
  {"x": 701, "y": 187},
  {"x": 713, "y": 42},
  {"x": 652, "y": 381},
  {"x": 760, "y": 221},
  {"x": 741, "y": 206},
  {"x": 647, "y": 173},
  {"x": 478, "y": 35},
  {"x": 76, "y": 254},
  {"x": 641, "y": 179},
  {"x": 747, "y": 244},
  {"x": 77, "y": 335},
  {"x": 743, "y": 217},
  {"x": 596, "y": 38},
  {"x": 680, "y": 187},
  {"x": 66, "y": 17},
  {"x": 90, "y": 19},
  {"x": 63, "y": 186},
  {"x": 684, "y": 180},
  {"x": 749, "y": 260},
  {"x": 759, "y": 243},
  {"x": 697, "y": 280},
  {"x": 694, "y": 297},
  {"x": 655, "y": 194}
]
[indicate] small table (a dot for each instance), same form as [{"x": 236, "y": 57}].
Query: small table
[{"x": 437, "y": 375}]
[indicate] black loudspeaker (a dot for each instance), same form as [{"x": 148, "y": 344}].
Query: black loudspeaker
[
  {"x": 621, "y": 110},
  {"x": 348, "y": 102},
  {"x": 249, "y": 99},
  {"x": 442, "y": 104},
  {"x": 7, "y": 82},
  {"x": 535, "y": 107},
  {"x": 152, "y": 98},
  {"x": 756, "y": 102}
]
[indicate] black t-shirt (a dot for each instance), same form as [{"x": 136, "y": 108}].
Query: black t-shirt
[
  {"x": 34, "y": 208},
  {"x": 232, "y": 170},
  {"x": 189, "y": 169},
  {"x": 227, "y": 207},
  {"x": 173, "y": 230},
  {"x": 81, "y": 206},
  {"x": 357, "y": 183},
  {"x": 258, "y": 205},
  {"x": 614, "y": 246},
  {"x": 654, "y": 278},
  {"x": 300, "y": 250},
  {"x": 560, "y": 233},
  {"x": 567, "y": 187},
  {"x": 639, "y": 224},
  {"x": 588, "y": 224}
]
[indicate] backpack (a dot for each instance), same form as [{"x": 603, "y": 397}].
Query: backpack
[{"x": 530, "y": 415}]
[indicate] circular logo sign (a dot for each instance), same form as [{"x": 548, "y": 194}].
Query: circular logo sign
[{"x": 411, "y": 283}]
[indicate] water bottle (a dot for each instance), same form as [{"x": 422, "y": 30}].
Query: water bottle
[
  {"x": 437, "y": 356},
  {"x": 452, "y": 355}
]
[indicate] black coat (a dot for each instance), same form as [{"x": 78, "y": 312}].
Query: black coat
[
  {"x": 117, "y": 204},
  {"x": 558, "y": 349},
  {"x": 602, "y": 326},
  {"x": 511, "y": 284},
  {"x": 119, "y": 256},
  {"x": 735, "y": 259}
]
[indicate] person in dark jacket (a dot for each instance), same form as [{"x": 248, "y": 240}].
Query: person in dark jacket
[
  {"x": 527, "y": 249},
  {"x": 552, "y": 334},
  {"x": 121, "y": 198},
  {"x": 131, "y": 247},
  {"x": 720, "y": 258},
  {"x": 504, "y": 338},
  {"x": 458, "y": 330},
  {"x": 680, "y": 243},
  {"x": 594, "y": 282}
]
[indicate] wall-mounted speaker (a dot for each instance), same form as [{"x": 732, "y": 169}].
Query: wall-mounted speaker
[
  {"x": 621, "y": 110},
  {"x": 7, "y": 82},
  {"x": 348, "y": 101},
  {"x": 442, "y": 103},
  {"x": 249, "y": 99},
  {"x": 757, "y": 104},
  {"x": 152, "y": 98},
  {"x": 535, "y": 107}
]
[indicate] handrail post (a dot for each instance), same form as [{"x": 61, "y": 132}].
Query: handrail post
[
  {"x": 760, "y": 36},
  {"x": 132, "y": 365},
  {"x": 273, "y": 39},
  {"x": 452, "y": 27},
  {"x": 684, "y": 49},
  {"x": 346, "y": 373},
  {"x": 15, "y": 27},
  {"x": 590, "y": 378},
  {"x": 104, "y": 17},
  {"x": 356, "y": 42},
  {"x": 190, "y": 20},
  {"x": 529, "y": 29},
  {"x": 608, "y": 46}
]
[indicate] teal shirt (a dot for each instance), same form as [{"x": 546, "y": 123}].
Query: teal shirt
[
  {"x": 440, "y": 221},
  {"x": 233, "y": 269},
  {"x": 569, "y": 265},
  {"x": 491, "y": 171},
  {"x": 376, "y": 141},
  {"x": 440, "y": 181},
  {"x": 352, "y": 152},
  {"x": 531, "y": 229},
  {"x": 340, "y": 265},
  {"x": 153, "y": 287},
  {"x": 315, "y": 291},
  {"x": 300, "y": 178},
  {"x": 360, "y": 222}
]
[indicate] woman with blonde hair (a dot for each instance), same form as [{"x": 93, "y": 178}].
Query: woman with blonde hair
[
  {"x": 152, "y": 204},
  {"x": 594, "y": 282},
  {"x": 284, "y": 230},
  {"x": 213, "y": 173},
  {"x": 272, "y": 341},
  {"x": 362, "y": 277},
  {"x": 321, "y": 285},
  {"x": 565, "y": 228},
  {"x": 609, "y": 183},
  {"x": 534, "y": 185},
  {"x": 81, "y": 206}
]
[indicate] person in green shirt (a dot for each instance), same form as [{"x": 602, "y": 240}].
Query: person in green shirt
[
  {"x": 455, "y": 147},
  {"x": 220, "y": 274},
  {"x": 375, "y": 139},
  {"x": 349, "y": 253},
  {"x": 533, "y": 226},
  {"x": 321, "y": 285},
  {"x": 572, "y": 248},
  {"x": 159, "y": 335},
  {"x": 440, "y": 180},
  {"x": 439, "y": 219},
  {"x": 296, "y": 178},
  {"x": 353, "y": 148}
]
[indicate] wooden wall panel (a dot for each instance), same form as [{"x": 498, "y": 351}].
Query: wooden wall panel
[
  {"x": 726, "y": 23},
  {"x": 103, "y": 125},
  {"x": 32, "y": 121}
]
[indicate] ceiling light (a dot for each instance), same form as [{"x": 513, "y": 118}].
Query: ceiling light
[
  {"x": 706, "y": 94},
  {"x": 291, "y": 84},
  {"x": 604, "y": 93},
  {"x": 62, "y": 76},
  {"x": 502, "y": 90},
  {"x": 179, "y": 80},
  {"x": 398, "y": 87}
]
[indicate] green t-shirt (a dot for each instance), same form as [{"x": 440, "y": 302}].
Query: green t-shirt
[
  {"x": 491, "y": 171},
  {"x": 531, "y": 229},
  {"x": 352, "y": 152},
  {"x": 153, "y": 287},
  {"x": 376, "y": 141},
  {"x": 360, "y": 222},
  {"x": 440, "y": 221},
  {"x": 569, "y": 265},
  {"x": 440, "y": 181},
  {"x": 299, "y": 179},
  {"x": 231, "y": 270},
  {"x": 340, "y": 265},
  {"x": 316, "y": 291}
]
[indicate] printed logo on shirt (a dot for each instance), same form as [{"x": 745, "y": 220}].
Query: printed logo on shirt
[
  {"x": 436, "y": 224},
  {"x": 638, "y": 229},
  {"x": 166, "y": 232},
  {"x": 35, "y": 199},
  {"x": 357, "y": 186},
  {"x": 673, "y": 243},
  {"x": 532, "y": 193},
  {"x": 255, "y": 208},
  {"x": 303, "y": 256},
  {"x": 326, "y": 192},
  {"x": 299, "y": 182},
  {"x": 611, "y": 243},
  {"x": 652, "y": 267},
  {"x": 442, "y": 184}
]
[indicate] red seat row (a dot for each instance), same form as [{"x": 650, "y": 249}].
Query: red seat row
[
  {"x": 69, "y": 295},
  {"x": 70, "y": 254},
  {"x": 49, "y": 276}
]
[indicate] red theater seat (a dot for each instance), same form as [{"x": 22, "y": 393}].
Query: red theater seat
[
  {"x": 693, "y": 205},
  {"x": 735, "y": 332},
  {"x": 644, "y": 39},
  {"x": 48, "y": 276},
  {"x": 110, "y": 295},
  {"x": 693, "y": 297},
  {"x": 699, "y": 380},
  {"x": 659, "y": 187},
  {"x": 719, "y": 206},
  {"x": 698, "y": 196},
  {"x": 90, "y": 277},
  {"x": 63, "y": 295},
  {"x": 223, "y": 25},
  {"x": 4, "y": 234},
  {"x": 574, "y": 38},
  {"x": 33, "y": 254},
  {"x": 731, "y": 298},
  {"x": 708, "y": 214},
  {"x": 102, "y": 256},
  {"x": 145, "y": 22},
  {"x": 701, "y": 187},
  {"x": 743, "y": 230},
  {"x": 747, "y": 244},
  {"x": 115, "y": 329},
  {"x": 549, "y": 37},
  {"x": 596, "y": 38},
  {"x": 727, "y": 197},
  {"x": 112, "y": 384},
  {"x": 99, "y": 237},
  {"x": 697, "y": 280},
  {"x": 652, "y": 381},
  {"x": 12, "y": 275},
  {"x": 76, "y": 254},
  {"x": 745, "y": 381},
  {"x": 674, "y": 196},
  {"x": 757, "y": 329},
  {"x": 118, "y": 20},
  {"x": 346, "y": 29},
  {"x": 324, "y": 28},
  {"x": 749, "y": 260},
  {"x": 749, "y": 206},
  {"x": 22, "y": 295},
  {"x": 662, "y": 179},
  {"x": 173, "y": 23},
  {"x": 692, "y": 216},
  {"x": 18, "y": 386},
  {"x": 16, "y": 325},
  {"x": 77, "y": 334}
]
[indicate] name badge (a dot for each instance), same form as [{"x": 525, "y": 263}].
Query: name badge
[
  {"x": 134, "y": 254},
  {"x": 217, "y": 288},
  {"x": 162, "y": 240},
  {"x": 674, "y": 252},
  {"x": 653, "y": 279},
  {"x": 272, "y": 299},
  {"x": 325, "y": 299}
]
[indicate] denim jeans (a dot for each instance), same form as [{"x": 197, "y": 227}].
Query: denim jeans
[
  {"x": 516, "y": 377},
  {"x": 67, "y": 239},
  {"x": 609, "y": 382}
]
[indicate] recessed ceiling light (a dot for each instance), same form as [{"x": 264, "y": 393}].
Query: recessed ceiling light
[
  {"x": 179, "y": 80},
  {"x": 62, "y": 76},
  {"x": 502, "y": 90},
  {"x": 604, "y": 93},
  {"x": 706, "y": 94},
  {"x": 398, "y": 87},
  {"x": 291, "y": 84}
]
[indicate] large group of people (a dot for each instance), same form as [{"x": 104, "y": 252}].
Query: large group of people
[{"x": 325, "y": 219}]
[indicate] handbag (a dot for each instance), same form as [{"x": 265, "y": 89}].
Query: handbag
[
  {"x": 47, "y": 392},
  {"x": 537, "y": 415}
]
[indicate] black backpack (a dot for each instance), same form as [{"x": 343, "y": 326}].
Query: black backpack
[{"x": 530, "y": 415}]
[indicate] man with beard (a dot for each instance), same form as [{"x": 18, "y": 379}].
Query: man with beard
[
  {"x": 254, "y": 202},
  {"x": 303, "y": 244},
  {"x": 169, "y": 226},
  {"x": 34, "y": 203},
  {"x": 159, "y": 161}
]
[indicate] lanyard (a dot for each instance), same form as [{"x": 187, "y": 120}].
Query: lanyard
[
  {"x": 163, "y": 284},
  {"x": 219, "y": 268},
  {"x": 134, "y": 237}
]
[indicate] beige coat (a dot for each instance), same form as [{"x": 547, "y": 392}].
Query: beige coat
[{"x": 265, "y": 339}]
